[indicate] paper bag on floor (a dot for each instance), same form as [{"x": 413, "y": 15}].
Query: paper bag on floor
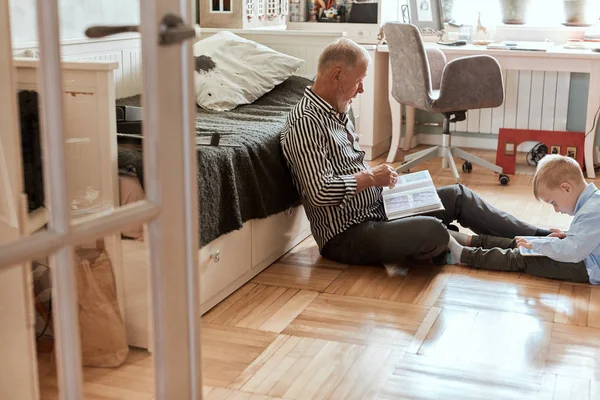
[{"x": 102, "y": 330}]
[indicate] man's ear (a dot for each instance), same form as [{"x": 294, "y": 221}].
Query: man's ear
[{"x": 336, "y": 72}]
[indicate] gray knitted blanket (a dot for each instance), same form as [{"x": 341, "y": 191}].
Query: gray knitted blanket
[{"x": 237, "y": 184}]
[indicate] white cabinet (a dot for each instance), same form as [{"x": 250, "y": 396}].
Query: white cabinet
[
  {"x": 360, "y": 33},
  {"x": 224, "y": 260},
  {"x": 271, "y": 234},
  {"x": 372, "y": 108}
]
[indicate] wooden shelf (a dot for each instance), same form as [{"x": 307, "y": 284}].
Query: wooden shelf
[{"x": 360, "y": 33}]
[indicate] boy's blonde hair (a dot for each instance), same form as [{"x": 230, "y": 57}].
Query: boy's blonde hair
[{"x": 554, "y": 169}]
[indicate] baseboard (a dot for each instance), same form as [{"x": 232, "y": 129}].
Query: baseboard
[
  {"x": 472, "y": 142},
  {"x": 459, "y": 141},
  {"x": 372, "y": 152},
  {"x": 413, "y": 143}
]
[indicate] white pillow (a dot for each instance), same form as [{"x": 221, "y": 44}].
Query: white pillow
[{"x": 231, "y": 70}]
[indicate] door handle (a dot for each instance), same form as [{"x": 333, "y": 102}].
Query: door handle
[
  {"x": 172, "y": 30},
  {"x": 100, "y": 31}
]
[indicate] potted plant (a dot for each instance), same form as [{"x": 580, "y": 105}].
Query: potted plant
[
  {"x": 514, "y": 11},
  {"x": 575, "y": 13}
]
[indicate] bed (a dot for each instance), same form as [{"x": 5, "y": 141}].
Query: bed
[{"x": 244, "y": 179}]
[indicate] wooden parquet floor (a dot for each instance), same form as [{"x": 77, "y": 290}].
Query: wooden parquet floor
[{"x": 309, "y": 328}]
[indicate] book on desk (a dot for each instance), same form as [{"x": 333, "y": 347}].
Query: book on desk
[{"x": 521, "y": 45}]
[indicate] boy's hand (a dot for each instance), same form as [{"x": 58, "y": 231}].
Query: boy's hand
[
  {"x": 523, "y": 243},
  {"x": 557, "y": 233}
]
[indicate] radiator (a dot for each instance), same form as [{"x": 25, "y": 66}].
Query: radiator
[
  {"x": 128, "y": 76},
  {"x": 131, "y": 73},
  {"x": 533, "y": 100}
]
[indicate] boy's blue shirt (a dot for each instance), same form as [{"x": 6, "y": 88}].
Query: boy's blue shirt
[{"x": 583, "y": 237}]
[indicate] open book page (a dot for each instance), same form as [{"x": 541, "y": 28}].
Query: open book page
[
  {"x": 411, "y": 181},
  {"x": 417, "y": 195}
]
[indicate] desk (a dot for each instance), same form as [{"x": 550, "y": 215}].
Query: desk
[{"x": 555, "y": 60}]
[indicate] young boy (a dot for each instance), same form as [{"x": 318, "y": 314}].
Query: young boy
[{"x": 571, "y": 256}]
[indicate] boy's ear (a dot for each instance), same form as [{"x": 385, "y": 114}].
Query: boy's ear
[{"x": 566, "y": 187}]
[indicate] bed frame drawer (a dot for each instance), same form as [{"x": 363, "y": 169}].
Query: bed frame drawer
[
  {"x": 224, "y": 260},
  {"x": 271, "y": 234}
]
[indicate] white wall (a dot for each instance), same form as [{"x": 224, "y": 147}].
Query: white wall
[{"x": 75, "y": 17}]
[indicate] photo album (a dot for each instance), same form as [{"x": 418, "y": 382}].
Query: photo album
[{"x": 413, "y": 194}]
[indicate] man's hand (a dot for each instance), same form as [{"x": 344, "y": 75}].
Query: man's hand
[
  {"x": 380, "y": 176},
  {"x": 384, "y": 175},
  {"x": 557, "y": 233},
  {"x": 523, "y": 243}
]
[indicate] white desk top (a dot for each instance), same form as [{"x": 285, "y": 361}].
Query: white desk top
[{"x": 469, "y": 49}]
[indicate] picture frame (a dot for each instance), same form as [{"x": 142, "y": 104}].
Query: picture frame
[
  {"x": 571, "y": 152},
  {"x": 509, "y": 149},
  {"x": 554, "y": 149},
  {"x": 427, "y": 15}
]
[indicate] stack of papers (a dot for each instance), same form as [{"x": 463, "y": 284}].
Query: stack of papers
[
  {"x": 582, "y": 45},
  {"x": 519, "y": 45}
]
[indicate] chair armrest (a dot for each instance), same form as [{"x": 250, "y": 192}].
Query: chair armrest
[
  {"x": 437, "y": 62},
  {"x": 470, "y": 83}
]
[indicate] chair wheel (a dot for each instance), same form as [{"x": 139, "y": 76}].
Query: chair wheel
[
  {"x": 467, "y": 166},
  {"x": 504, "y": 179}
]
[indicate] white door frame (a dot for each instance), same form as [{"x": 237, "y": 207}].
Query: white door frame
[
  {"x": 169, "y": 74},
  {"x": 18, "y": 369},
  {"x": 171, "y": 208}
]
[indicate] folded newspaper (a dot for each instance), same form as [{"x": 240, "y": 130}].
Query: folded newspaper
[{"x": 413, "y": 194}]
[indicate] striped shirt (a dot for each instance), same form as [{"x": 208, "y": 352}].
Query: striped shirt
[{"x": 322, "y": 152}]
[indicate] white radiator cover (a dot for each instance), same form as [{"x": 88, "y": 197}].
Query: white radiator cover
[
  {"x": 533, "y": 100},
  {"x": 128, "y": 77},
  {"x": 126, "y": 51}
]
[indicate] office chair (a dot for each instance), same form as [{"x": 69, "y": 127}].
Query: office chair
[{"x": 426, "y": 81}]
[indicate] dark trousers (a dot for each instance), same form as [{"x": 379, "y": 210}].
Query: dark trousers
[
  {"x": 423, "y": 237},
  {"x": 501, "y": 254}
]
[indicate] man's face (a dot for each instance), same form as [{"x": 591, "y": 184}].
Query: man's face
[{"x": 350, "y": 85}]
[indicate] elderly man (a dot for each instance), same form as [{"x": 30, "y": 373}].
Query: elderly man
[{"x": 342, "y": 194}]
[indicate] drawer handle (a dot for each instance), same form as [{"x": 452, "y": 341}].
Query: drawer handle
[{"x": 216, "y": 256}]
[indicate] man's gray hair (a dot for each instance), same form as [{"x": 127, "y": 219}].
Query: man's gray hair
[{"x": 343, "y": 52}]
